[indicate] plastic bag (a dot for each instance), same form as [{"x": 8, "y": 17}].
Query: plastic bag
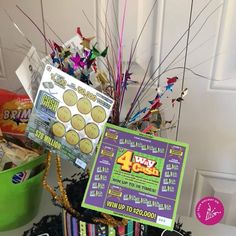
[
  {"x": 15, "y": 110},
  {"x": 12, "y": 155}
]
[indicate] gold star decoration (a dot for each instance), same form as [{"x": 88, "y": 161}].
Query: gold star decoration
[{"x": 86, "y": 42}]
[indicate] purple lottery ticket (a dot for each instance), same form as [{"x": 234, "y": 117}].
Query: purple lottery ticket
[{"x": 137, "y": 176}]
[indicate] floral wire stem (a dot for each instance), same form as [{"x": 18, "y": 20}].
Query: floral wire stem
[
  {"x": 118, "y": 92},
  {"x": 143, "y": 27},
  {"x": 133, "y": 52},
  {"x": 115, "y": 13},
  {"x": 53, "y": 31},
  {"x": 108, "y": 36},
  {"x": 193, "y": 50},
  {"x": 17, "y": 27},
  {"x": 184, "y": 69},
  {"x": 179, "y": 40},
  {"x": 155, "y": 79},
  {"x": 108, "y": 66},
  {"x": 138, "y": 92},
  {"x": 118, "y": 79},
  {"x": 36, "y": 27},
  {"x": 125, "y": 78},
  {"x": 111, "y": 33},
  {"x": 176, "y": 68},
  {"x": 195, "y": 35},
  {"x": 140, "y": 97}
]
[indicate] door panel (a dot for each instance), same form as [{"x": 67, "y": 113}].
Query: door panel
[
  {"x": 208, "y": 112},
  {"x": 220, "y": 185}
]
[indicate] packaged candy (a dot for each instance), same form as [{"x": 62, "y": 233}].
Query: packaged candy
[
  {"x": 12, "y": 155},
  {"x": 15, "y": 110}
]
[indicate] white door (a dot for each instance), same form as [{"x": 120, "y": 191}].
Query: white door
[{"x": 207, "y": 116}]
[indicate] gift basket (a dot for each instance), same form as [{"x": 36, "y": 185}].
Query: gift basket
[
  {"x": 21, "y": 163},
  {"x": 132, "y": 177}
]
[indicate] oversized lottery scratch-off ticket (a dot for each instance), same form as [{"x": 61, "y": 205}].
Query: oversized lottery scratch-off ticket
[
  {"x": 137, "y": 176},
  {"x": 68, "y": 116}
]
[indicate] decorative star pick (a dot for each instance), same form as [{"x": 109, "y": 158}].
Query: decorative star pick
[
  {"x": 85, "y": 41},
  {"x": 78, "y": 61}
]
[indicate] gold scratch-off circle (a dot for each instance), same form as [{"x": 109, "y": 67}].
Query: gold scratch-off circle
[
  {"x": 64, "y": 114},
  {"x": 84, "y": 106},
  {"x": 72, "y": 137},
  {"x": 58, "y": 129},
  {"x": 70, "y": 97},
  {"x": 98, "y": 114},
  {"x": 85, "y": 146},
  {"x": 78, "y": 122},
  {"x": 91, "y": 130}
]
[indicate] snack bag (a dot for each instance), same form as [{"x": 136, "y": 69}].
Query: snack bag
[{"x": 15, "y": 110}]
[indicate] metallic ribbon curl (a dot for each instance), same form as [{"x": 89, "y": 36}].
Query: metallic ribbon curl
[{"x": 62, "y": 199}]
